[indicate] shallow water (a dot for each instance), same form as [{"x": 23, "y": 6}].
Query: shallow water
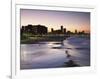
[{"x": 52, "y": 54}]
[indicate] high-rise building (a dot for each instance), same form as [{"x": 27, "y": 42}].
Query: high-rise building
[
  {"x": 52, "y": 30},
  {"x": 62, "y": 29},
  {"x": 75, "y": 31}
]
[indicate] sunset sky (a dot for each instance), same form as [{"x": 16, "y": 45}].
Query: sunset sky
[{"x": 54, "y": 19}]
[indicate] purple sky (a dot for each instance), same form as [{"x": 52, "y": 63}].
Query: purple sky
[{"x": 54, "y": 19}]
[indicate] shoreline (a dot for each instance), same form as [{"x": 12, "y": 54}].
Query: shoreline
[
  {"x": 34, "y": 40},
  {"x": 37, "y": 39}
]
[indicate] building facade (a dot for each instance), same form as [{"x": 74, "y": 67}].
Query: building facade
[{"x": 34, "y": 29}]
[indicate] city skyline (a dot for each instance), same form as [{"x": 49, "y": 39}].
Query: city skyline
[{"x": 54, "y": 19}]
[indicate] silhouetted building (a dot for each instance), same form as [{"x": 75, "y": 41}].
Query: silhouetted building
[
  {"x": 62, "y": 30},
  {"x": 68, "y": 32},
  {"x": 81, "y": 32},
  {"x": 52, "y": 30},
  {"x": 59, "y": 31},
  {"x": 75, "y": 31},
  {"x": 34, "y": 29}
]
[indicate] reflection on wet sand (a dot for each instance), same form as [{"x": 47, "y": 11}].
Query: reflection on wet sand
[
  {"x": 70, "y": 62},
  {"x": 55, "y": 54}
]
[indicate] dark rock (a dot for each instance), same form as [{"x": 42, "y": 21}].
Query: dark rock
[{"x": 70, "y": 63}]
